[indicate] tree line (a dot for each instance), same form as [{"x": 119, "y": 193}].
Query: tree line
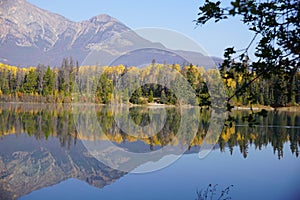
[
  {"x": 71, "y": 83},
  {"x": 38, "y": 84}
]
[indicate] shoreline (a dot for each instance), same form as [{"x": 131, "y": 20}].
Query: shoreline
[
  {"x": 152, "y": 105},
  {"x": 268, "y": 108}
]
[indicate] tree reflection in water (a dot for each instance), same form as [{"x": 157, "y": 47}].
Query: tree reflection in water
[
  {"x": 41, "y": 147},
  {"x": 41, "y": 122}
]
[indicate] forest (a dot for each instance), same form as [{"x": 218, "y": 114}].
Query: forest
[{"x": 73, "y": 83}]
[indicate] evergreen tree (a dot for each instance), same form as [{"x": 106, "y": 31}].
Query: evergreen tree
[
  {"x": 104, "y": 89},
  {"x": 151, "y": 99},
  {"x": 40, "y": 70},
  {"x": 30, "y": 83},
  {"x": 48, "y": 84}
]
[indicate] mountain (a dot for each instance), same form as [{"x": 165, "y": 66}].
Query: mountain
[
  {"x": 27, "y": 165},
  {"x": 30, "y": 35}
]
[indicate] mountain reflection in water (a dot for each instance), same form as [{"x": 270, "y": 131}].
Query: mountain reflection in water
[{"x": 40, "y": 146}]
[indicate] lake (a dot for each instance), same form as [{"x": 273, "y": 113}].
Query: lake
[{"x": 52, "y": 152}]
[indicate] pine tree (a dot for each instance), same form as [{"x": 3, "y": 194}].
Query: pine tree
[
  {"x": 48, "y": 84},
  {"x": 30, "y": 83},
  {"x": 151, "y": 99},
  {"x": 104, "y": 89}
]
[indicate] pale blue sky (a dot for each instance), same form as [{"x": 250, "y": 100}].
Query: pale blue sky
[{"x": 175, "y": 15}]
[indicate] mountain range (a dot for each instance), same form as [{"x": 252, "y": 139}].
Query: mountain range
[
  {"x": 30, "y": 36},
  {"x": 27, "y": 165}
]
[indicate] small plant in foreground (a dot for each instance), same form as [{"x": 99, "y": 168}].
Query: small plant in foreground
[{"x": 211, "y": 193}]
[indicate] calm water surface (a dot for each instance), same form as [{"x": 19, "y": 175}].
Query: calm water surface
[{"x": 42, "y": 156}]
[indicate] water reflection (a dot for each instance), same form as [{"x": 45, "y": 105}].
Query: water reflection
[
  {"x": 40, "y": 146},
  {"x": 41, "y": 122},
  {"x": 28, "y": 164}
]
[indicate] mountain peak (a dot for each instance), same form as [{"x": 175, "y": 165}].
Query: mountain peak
[
  {"x": 30, "y": 35},
  {"x": 102, "y": 18}
]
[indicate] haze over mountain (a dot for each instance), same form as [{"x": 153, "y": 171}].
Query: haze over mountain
[{"x": 30, "y": 35}]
